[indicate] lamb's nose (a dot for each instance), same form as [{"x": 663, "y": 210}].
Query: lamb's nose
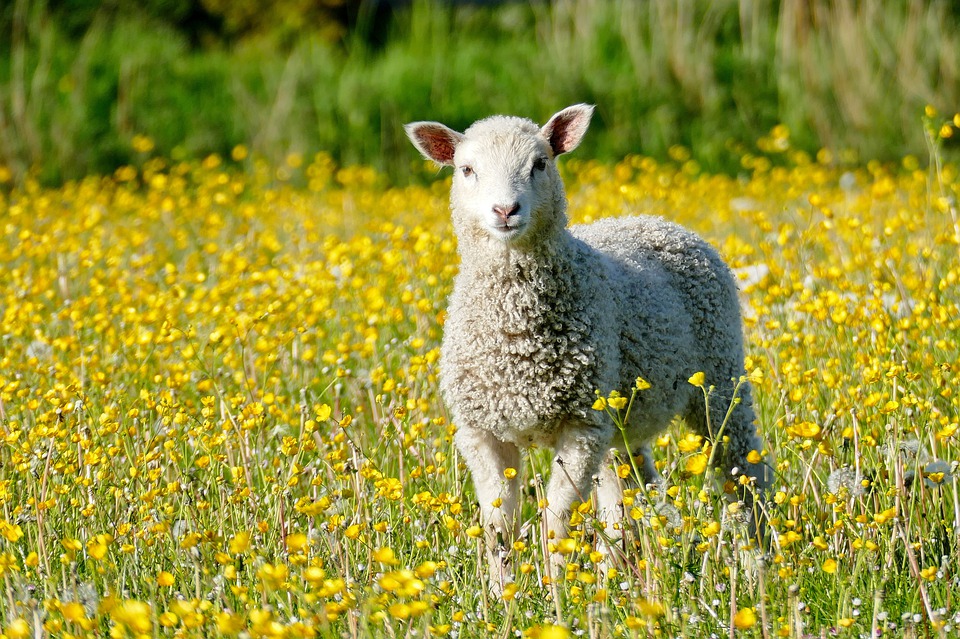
[{"x": 506, "y": 211}]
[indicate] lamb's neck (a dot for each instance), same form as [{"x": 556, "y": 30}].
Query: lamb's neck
[{"x": 521, "y": 265}]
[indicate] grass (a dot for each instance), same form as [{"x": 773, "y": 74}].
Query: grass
[
  {"x": 219, "y": 410},
  {"x": 712, "y": 77}
]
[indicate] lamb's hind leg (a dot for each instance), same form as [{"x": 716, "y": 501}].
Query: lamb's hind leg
[
  {"x": 579, "y": 451},
  {"x": 487, "y": 457},
  {"x": 610, "y": 508},
  {"x": 740, "y": 433}
]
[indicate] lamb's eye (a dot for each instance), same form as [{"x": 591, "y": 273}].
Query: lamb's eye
[
  {"x": 538, "y": 165},
  {"x": 466, "y": 170}
]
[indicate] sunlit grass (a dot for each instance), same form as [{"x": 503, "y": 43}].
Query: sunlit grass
[{"x": 219, "y": 411}]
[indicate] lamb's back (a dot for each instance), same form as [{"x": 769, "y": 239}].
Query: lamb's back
[{"x": 693, "y": 267}]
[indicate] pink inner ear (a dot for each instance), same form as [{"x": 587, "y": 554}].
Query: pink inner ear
[
  {"x": 437, "y": 143},
  {"x": 561, "y": 138},
  {"x": 566, "y": 129}
]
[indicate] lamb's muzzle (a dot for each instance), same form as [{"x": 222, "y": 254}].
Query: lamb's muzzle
[
  {"x": 562, "y": 313},
  {"x": 505, "y": 212}
]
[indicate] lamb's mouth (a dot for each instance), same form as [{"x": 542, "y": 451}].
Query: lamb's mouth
[{"x": 506, "y": 231}]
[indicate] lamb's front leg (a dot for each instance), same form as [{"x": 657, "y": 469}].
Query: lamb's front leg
[
  {"x": 487, "y": 457},
  {"x": 579, "y": 452}
]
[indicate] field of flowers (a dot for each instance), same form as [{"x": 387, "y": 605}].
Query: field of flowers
[{"x": 219, "y": 410}]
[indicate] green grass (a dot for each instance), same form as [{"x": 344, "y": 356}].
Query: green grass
[{"x": 713, "y": 78}]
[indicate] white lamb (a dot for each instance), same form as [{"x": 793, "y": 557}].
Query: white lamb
[{"x": 541, "y": 317}]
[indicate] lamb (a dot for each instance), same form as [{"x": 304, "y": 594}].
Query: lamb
[{"x": 542, "y": 317}]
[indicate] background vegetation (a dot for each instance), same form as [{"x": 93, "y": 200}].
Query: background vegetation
[{"x": 79, "y": 80}]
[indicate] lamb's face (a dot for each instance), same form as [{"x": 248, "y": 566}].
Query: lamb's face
[
  {"x": 505, "y": 186},
  {"x": 505, "y": 182}
]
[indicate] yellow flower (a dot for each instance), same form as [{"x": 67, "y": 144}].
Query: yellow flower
[
  {"x": 400, "y": 611},
  {"x": 566, "y": 546},
  {"x": 134, "y": 615},
  {"x": 164, "y": 578},
  {"x": 641, "y": 384},
  {"x": 617, "y": 403},
  {"x": 829, "y": 565},
  {"x": 296, "y": 542},
  {"x": 73, "y": 612},
  {"x": 385, "y": 556},
  {"x": 98, "y": 544},
  {"x": 510, "y": 473},
  {"x": 804, "y": 430},
  {"x": 550, "y": 631},
  {"x": 323, "y": 412},
  {"x": 929, "y": 573},
  {"x": 885, "y": 516},
  {"x": 745, "y": 619},
  {"x": 240, "y": 542},
  {"x": 167, "y": 619},
  {"x": 696, "y": 464},
  {"x": 600, "y": 403},
  {"x": 18, "y": 629},
  {"x": 12, "y": 532},
  {"x": 72, "y": 545},
  {"x": 890, "y": 406},
  {"x": 273, "y": 576},
  {"x": 690, "y": 443},
  {"x": 697, "y": 379},
  {"x": 948, "y": 431},
  {"x": 650, "y": 608},
  {"x": 427, "y": 569}
]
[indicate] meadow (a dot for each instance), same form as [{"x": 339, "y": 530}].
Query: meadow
[{"x": 219, "y": 412}]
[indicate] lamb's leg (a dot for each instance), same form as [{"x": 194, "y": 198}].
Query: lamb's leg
[
  {"x": 610, "y": 509},
  {"x": 741, "y": 438},
  {"x": 487, "y": 457},
  {"x": 580, "y": 449},
  {"x": 610, "y": 498}
]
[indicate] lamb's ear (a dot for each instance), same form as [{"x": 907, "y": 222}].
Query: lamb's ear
[
  {"x": 566, "y": 128},
  {"x": 436, "y": 141}
]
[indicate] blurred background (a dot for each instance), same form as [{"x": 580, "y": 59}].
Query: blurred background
[{"x": 87, "y": 86}]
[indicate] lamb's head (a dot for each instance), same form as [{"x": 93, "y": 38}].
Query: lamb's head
[{"x": 505, "y": 184}]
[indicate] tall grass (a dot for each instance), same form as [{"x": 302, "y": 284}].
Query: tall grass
[{"x": 713, "y": 77}]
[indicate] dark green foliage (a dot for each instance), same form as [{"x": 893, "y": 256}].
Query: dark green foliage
[{"x": 79, "y": 79}]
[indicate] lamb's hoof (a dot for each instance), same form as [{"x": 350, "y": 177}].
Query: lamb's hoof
[
  {"x": 501, "y": 573},
  {"x": 496, "y": 587}
]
